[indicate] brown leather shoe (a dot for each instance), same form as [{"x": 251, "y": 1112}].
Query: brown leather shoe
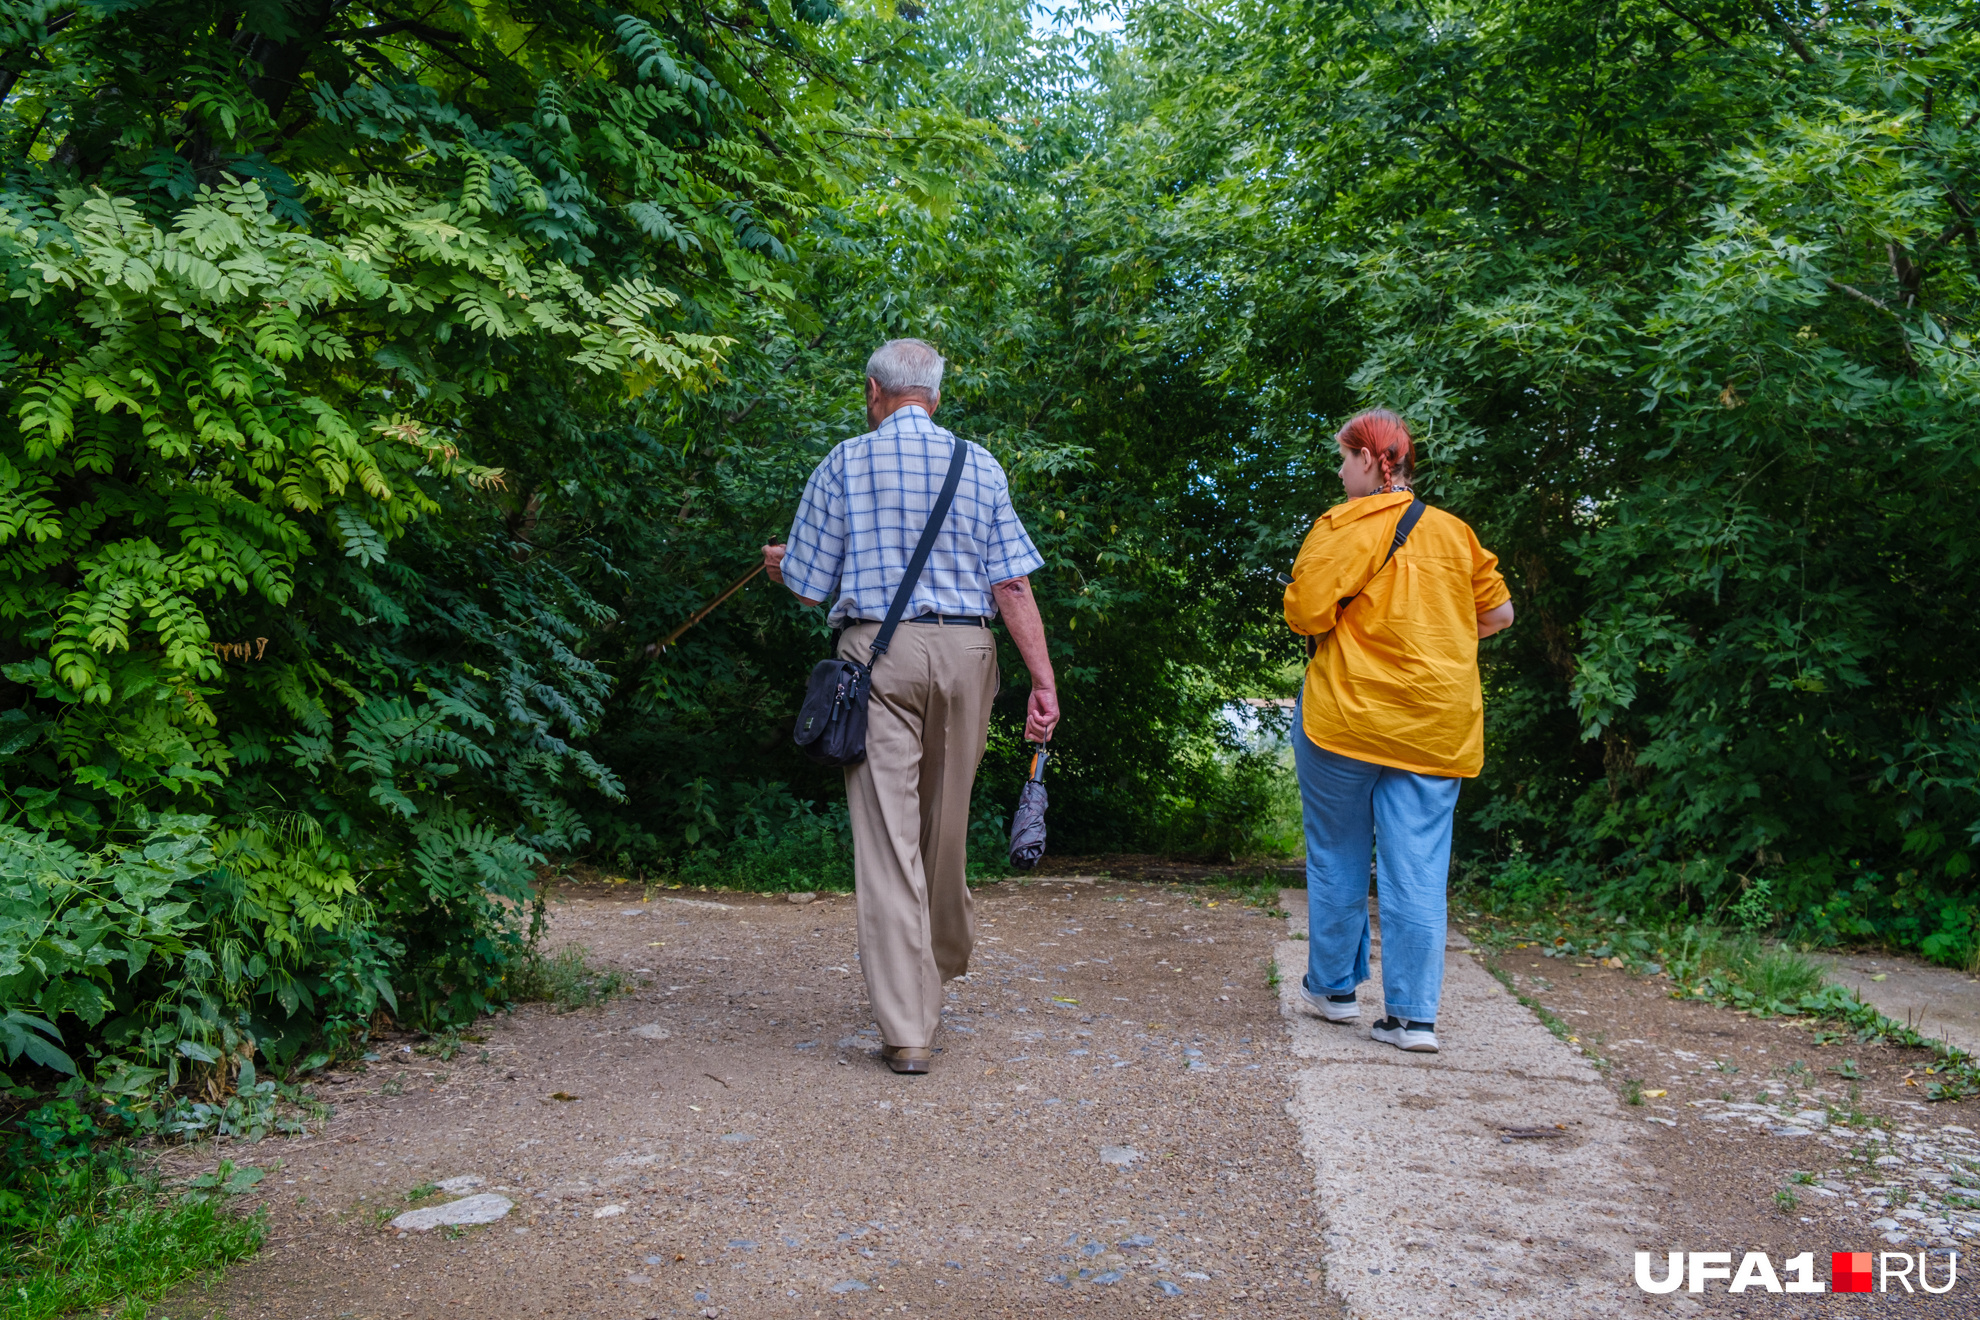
[{"x": 908, "y": 1058}]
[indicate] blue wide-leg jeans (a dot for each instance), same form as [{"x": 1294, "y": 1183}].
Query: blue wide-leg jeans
[{"x": 1353, "y": 808}]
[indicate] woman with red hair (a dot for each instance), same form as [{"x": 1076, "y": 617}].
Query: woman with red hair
[{"x": 1397, "y": 596}]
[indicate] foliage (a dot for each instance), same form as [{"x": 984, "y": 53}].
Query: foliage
[
  {"x": 302, "y": 306},
  {"x": 152, "y": 949},
  {"x": 1681, "y": 303},
  {"x": 87, "y": 1228}
]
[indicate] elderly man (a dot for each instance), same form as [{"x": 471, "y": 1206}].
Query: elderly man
[{"x": 929, "y": 713}]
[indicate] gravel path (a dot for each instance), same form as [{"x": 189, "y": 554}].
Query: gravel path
[{"x": 1105, "y": 1132}]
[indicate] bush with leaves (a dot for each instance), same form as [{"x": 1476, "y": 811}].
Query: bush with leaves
[{"x": 297, "y": 298}]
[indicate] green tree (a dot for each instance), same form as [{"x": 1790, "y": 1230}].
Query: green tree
[{"x": 1681, "y": 302}]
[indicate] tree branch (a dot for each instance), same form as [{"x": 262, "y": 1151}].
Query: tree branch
[
  {"x": 1859, "y": 295},
  {"x": 1783, "y": 31},
  {"x": 421, "y": 30},
  {"x": 1701, "y": 29}
]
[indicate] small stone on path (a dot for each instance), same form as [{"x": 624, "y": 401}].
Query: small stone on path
[
  {"x": 483, "y": 1209},
  {"x": 1119, "y": 1155},
  {"x": 458, "y": 1186},
  {"x": 608, "y": 1211},
  {"x": 799, "y": 898},
  {"x": 849, "y": 1286},
  {"x": 652, "y": 1031}
]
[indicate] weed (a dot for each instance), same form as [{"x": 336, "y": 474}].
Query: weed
[
  {"x": 225, "y": 1180},
  {"x": 1272, "y": 975},
  {"x": 1848, "y": 1071},
  {"x": 1787, "y": 1201},
  {"x": 1261, "y": 892},
  {"x": 1778, "y": 975},
  {"x": 1727, "y": 1096},
  {"x": 565, "y": 980},
  {"x": 1737, "y": 970},
  {"x": 446, "y": 1045},
  {"x": 1538, "y": 1009},
  {"x": 1633, "y": 1091},
  {"x": 1802, "y": 1178},
  {"x": 421, "y": 1192},
  {"x": 392, "y": 1086},
  {"x": 1725, "y": 1067}
]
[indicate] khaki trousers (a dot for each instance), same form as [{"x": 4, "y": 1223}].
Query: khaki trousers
[{"x": 926, "y": 722}]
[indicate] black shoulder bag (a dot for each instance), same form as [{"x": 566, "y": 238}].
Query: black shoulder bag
[{"x": 831, "y": 724}]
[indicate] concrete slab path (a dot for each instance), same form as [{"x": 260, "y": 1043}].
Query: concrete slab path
[
  {"x": 1941, "y": 1003},
  {"x": 1433, "y": 1207}
]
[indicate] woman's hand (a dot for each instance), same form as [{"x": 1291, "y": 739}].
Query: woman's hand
[{"x": 1495, "y": 620}]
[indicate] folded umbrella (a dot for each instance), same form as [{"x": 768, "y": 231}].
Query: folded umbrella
[{"x": 1028, "y": 821}]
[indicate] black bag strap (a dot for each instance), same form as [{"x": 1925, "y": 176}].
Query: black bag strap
[
  {"x": 922, "y": 549},
  {"x": 1404, "y": 526}
]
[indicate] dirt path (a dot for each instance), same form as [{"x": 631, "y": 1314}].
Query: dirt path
[
  {"x": 1775, "y": 1135},
  {"x": 1121, "y": 1122},
  {"x": 1105, "y": 1132}
]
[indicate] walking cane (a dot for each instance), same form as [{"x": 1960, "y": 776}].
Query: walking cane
[{"x": 660, "y": 646}]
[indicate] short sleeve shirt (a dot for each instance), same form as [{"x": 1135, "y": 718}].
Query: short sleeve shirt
[
  {"x": 863, "y": 510},
  {"x": 1394, "y": 680}
]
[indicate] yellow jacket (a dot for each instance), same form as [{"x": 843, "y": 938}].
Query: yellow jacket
[{"x": 1395, "y": 678}]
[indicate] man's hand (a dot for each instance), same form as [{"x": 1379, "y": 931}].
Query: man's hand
[
  {"x": 1041, "y": 715},
  {"x": 773, "y": 562}
]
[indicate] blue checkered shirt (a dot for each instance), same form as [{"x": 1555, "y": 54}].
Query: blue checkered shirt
[{"x": 863, "y": 511}]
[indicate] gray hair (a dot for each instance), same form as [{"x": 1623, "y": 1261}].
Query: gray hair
[{"x": 900, "y": 365}]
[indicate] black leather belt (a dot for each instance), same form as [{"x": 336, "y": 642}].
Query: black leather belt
[{"x": 951, "y": 620}]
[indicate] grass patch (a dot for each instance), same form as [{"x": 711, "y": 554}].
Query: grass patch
[
  {"x": 1735, "y": 969},
  {"x": 89, "y": 1228},
  {"x": 564, "y": 979}
]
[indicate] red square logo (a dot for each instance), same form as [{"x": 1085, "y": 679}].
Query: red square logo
[{"x": 1849, "y": 1271}]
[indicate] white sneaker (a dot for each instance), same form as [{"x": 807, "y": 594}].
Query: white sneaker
[
  {"x": 1416, "y": 1037},
  {"x": 1321, "y": 1006}
]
